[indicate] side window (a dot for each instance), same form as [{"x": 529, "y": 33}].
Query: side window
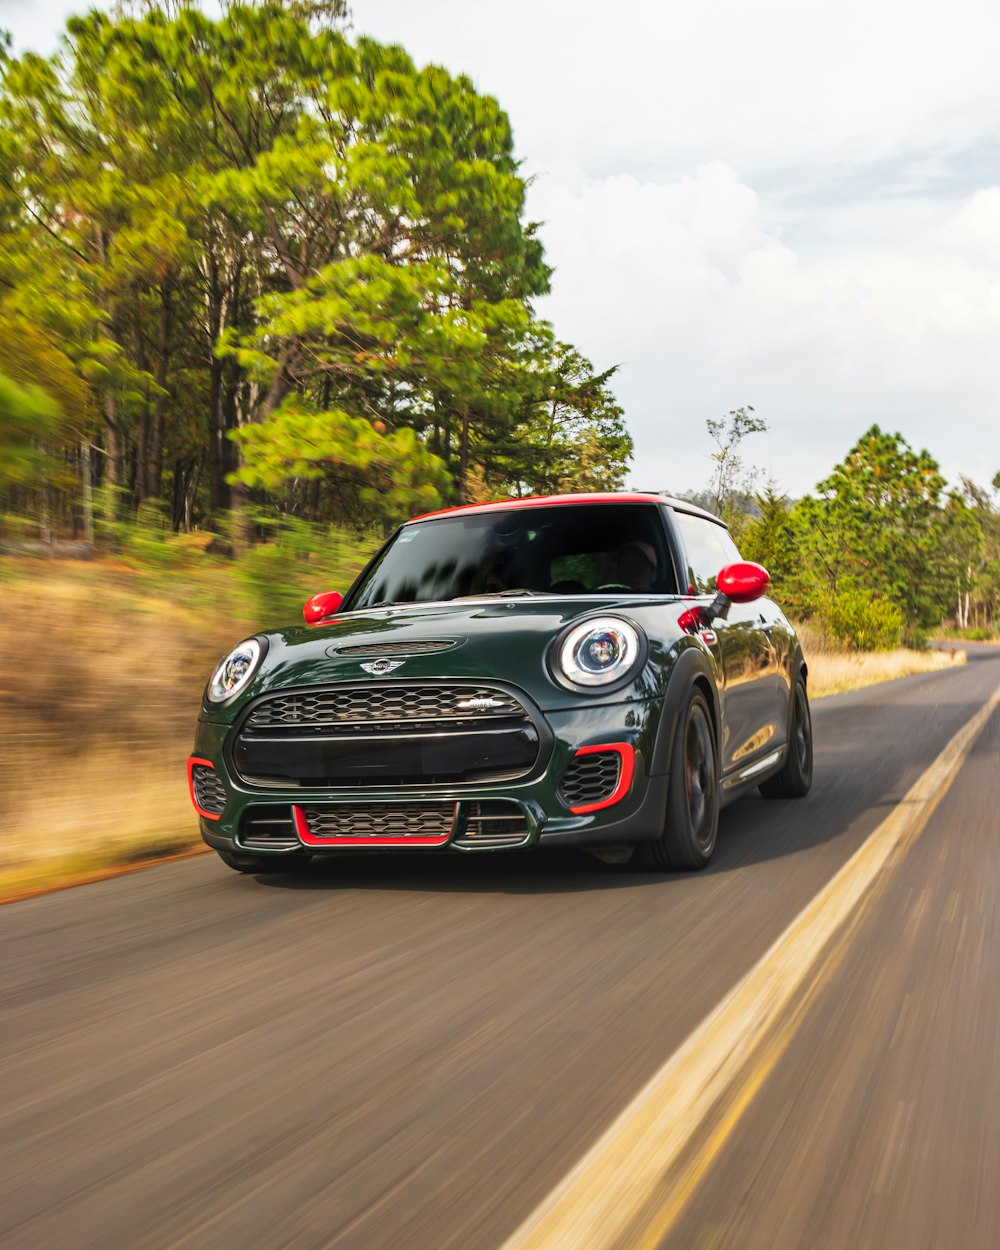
[{"x": 708, "y": 548}]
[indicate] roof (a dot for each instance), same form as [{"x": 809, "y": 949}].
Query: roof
[{"x": 537, "y": 501}]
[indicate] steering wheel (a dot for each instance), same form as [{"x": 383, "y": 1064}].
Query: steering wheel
[{"x": 615, "y": 586}]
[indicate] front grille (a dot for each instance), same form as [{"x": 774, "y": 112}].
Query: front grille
[
  {"x": 423, "y": 647},
  {"x": 209, "y": 791},
  {"x": 268, "y": 829},
  {"x": 590, "y": 778},
  {"x": 381, "y": 820},
  {"x": 383, "y": 708},
  {"x": 386, "y": 734},
  {"x": 493, "y": 822}
]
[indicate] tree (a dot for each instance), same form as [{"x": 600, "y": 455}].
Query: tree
[
  {"x": 246, "y": 230},
  {"x": 731, "y": 476},
  {"x": 571, "y": 434},
  {"x": 878, "y": 524}
]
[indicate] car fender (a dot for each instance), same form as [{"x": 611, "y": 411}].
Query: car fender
[{"x": 694, "y": 663}]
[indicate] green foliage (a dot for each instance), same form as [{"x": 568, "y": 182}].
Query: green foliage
[
  {"x": 280, "y": 267},
  {"x": 863, "y": 623},
  {"x": 267, "y": 583},
  {"x": 571, "y": 435},
  {"x": 27, "y": 416},
  {"x": 877, "y": 524}
]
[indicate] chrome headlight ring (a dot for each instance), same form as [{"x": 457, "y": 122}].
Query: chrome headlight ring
[
  {"x": 233, "y": 674},
  {"x": 599, "y": 653}
]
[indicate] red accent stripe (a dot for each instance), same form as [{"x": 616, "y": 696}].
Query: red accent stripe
[
  {"x": 536, "y": 501},
  {"x": 192, "y": 760},
  {"x": 626, "y": 753},
  {"x": 310, "y": 839}
]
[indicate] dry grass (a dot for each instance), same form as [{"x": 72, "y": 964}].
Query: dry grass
[
  {"x": 833, "y": 670},
  {"x": 99, "y": 693}
]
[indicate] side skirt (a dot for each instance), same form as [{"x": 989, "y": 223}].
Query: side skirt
[{"x": 748, "y": 778}]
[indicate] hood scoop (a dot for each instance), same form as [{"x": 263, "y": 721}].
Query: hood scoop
[{"x": 417, "y": 647}]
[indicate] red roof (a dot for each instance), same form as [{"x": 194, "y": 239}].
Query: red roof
[{"x": 537, "y": 501}]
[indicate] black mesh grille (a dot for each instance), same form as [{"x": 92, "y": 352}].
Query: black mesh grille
[
  {"x": 493, "y": 822},
  {"x": 383, "y": 708},
  {"x": 208, "y": 789},
  {"x": 381, "y": 820},
  {"x": 397, "y": 648},
  {"x": 268, "y": 829},
  {"x": 590, "y": 778}
]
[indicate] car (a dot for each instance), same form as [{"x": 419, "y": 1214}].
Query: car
[{"x": 599, "y": 671}]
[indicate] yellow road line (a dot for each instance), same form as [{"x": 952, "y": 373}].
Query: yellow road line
[{"x": 726, "y": 1059}]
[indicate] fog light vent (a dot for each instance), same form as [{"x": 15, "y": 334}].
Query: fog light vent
[{"x": 207, "y": 791}]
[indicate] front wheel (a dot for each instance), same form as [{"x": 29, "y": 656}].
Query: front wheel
[
  {"x": 795, "y": 777},
  {"x": 259, "y": 865},
  {"x": 692, "y": 820}
]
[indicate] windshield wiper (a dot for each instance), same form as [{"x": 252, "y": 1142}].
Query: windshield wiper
[{"x": 519, "y": 593}]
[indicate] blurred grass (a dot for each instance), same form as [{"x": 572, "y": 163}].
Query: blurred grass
[
  {"x": 105, "y": 662},
  {"x": 104, "y": 665}
]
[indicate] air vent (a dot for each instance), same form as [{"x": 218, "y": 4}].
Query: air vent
[
  {"x": 209, "y": 792},
  {"x": 399, "y": 648},
  {"x": 493, "y": 823},
  {"x": 268, "y": 829},
  {"x": 590, "y": 778}
]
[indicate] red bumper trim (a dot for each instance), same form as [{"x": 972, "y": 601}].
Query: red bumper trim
[
  {"x": 626, "y": 753},
  {"x": 192, "y": 760},
  {"x": 310, "y": 839}
]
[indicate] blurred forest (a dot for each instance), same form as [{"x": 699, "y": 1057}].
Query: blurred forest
[{"x": 252, "y": 267}]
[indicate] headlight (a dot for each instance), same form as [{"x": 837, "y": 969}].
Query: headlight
[
  {"x": 598, "y": 652},
  {"x": 235, "y": 671}
]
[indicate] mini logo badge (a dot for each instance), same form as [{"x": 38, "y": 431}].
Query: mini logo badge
[
  {"x": 478, "y": 705},
  {"x": 379, "y": 668}
]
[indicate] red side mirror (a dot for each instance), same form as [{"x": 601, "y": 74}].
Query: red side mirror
[
  {"x": 743, "y": 582},
  {"x": 320, "y": 606}
]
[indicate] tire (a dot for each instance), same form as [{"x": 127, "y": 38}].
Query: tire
[
  {"x": 795, "y": 777},
  {"x": 259, "y": 865},
  {"x": 692, "y": 818}
]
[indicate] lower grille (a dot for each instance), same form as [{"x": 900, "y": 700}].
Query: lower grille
[
  {"x": 493, "y": 822},
  {"x": 269, "y": 829},
  {"x": 378, "y": 822},
  {"x": 209, "y": 792},
  {"x": 590, "y": 778}
]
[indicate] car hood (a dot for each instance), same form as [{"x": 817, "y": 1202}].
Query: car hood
[{"x": 502, "y": 640}]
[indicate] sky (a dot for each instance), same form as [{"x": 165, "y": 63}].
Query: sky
[{"x": 786, "y": 204}]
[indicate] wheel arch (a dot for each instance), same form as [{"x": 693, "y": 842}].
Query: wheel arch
[{"x": 692, "y": 669}]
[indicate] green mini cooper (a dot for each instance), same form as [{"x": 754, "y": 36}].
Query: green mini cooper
[{"x": 600, "y": 671}]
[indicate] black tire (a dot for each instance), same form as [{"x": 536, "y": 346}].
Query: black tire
[
  {"x": 259, "y": 865},
  {"x": 795, "y": 777},
  {"x": 692, "y": 819}
]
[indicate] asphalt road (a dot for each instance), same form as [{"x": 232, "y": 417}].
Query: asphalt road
[{"x": 411, "y": 1053}]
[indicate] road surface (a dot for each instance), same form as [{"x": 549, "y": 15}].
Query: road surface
[{"x": 411, "y": 1054}]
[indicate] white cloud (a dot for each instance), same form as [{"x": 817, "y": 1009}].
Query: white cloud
[{"x": 706, "y": 310}]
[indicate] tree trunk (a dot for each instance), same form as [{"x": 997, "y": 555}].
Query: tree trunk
[
  {"x": 463, "y": 460},
  {"x": 154, "y": 457}
]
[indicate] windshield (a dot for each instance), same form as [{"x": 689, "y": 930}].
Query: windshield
[{"x": 572, "y": 549}]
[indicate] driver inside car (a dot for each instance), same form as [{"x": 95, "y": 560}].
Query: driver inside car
[{"x": 635, "y": 566}]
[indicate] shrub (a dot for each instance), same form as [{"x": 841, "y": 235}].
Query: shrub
[{"x": 864, "y": 623}]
